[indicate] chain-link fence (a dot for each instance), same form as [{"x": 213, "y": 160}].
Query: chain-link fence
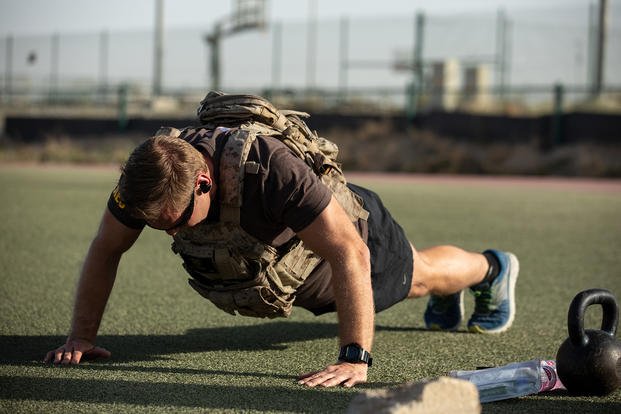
[{"x": 479, "y": 62}]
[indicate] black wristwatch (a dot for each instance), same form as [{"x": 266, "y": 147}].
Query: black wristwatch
[{"x": 354, "y": 353}]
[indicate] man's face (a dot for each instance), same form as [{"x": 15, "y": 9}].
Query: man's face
[
  {"x": 178, "y": 220},
  {"x": 197, "y": 210}
]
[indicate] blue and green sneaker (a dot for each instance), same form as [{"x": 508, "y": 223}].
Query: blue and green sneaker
[
  {"x": 494, "y": 305},
  {"x": 444, "y": 313}
]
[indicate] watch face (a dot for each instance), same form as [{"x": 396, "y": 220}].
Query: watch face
[{"x": 352, "y": 353}]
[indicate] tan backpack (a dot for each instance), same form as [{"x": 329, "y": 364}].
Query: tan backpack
[{"x": 256, "y": 114}]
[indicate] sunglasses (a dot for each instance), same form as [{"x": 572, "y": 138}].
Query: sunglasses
[{"x": 183, "y": 220}]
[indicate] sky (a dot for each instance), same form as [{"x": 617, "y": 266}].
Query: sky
[{"x": 20, "y": 17}]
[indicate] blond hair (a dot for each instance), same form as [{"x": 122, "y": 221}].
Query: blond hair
[{"x": 159, "y": 175}]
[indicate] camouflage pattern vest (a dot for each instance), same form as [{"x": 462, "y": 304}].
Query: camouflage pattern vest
[{"x": 231, "y": 268}]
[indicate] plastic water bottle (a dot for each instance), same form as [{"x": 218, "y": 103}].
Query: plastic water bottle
[{"x": 513, "y": 380}]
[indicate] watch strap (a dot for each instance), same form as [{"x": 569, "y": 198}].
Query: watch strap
[{"x": 355, "y": 353}]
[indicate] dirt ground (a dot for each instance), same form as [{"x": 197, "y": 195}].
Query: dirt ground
[
  {"x": 610, "y": 185},
  {"x": 562, "y": 183}
]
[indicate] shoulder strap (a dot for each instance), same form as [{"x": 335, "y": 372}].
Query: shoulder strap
[{"x": 233, "y": 167}]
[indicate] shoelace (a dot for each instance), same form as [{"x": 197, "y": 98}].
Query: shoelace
[{"x": 482, "y": 301}]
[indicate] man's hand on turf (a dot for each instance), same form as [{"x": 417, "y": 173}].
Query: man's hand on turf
[
  {"x": 74, "y": 351},
  {"x": 342, "y": 373}
]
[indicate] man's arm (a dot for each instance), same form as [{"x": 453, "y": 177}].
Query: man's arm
[
  {"x": 96, "y": 281},
  {"x": 334, "y": 237}
]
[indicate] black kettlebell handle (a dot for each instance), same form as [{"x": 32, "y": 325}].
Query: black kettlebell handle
[{"x": 575, "y": 316}]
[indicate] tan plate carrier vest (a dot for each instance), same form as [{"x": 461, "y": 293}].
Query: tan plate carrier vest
[{"x": 231, "y": 268}]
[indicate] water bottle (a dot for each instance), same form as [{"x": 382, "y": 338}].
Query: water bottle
[{"x": 513, "y": 380}]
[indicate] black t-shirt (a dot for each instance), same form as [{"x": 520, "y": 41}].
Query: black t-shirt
[{"x": 283, "y": 198}]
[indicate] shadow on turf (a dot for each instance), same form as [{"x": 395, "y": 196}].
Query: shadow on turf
[
  {"x": 232, "y": 397},
  {"x": 267, "y": 336},
  {"x": 236, "y": 397},
  {"x": 29, "y": 350}
]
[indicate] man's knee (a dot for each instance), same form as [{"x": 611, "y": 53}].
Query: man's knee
[
  {"x": 418, "y": 290},
  {"x": 420, "y": 276}
]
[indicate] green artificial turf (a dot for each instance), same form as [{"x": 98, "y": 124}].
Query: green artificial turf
[{"x": 175, "y": 352}]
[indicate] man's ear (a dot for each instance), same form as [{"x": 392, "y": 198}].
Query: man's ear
[
  {"x": 204, "y": 186},
  {"x": 204, "y": 183}
]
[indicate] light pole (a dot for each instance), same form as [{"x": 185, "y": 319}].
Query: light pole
[{"x": 158, "y": 52}]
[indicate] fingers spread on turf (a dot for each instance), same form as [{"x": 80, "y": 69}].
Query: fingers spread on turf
[
  {"x": 74, "y": 352},
  {"x": 66, "y": 357},
  {"x": 344, "y": 374},
  {"x": 75, "y": 359},
  {"x": 58, "y": 355}
]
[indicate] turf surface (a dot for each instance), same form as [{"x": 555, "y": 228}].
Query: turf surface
[{"x": 175, "y": 352}]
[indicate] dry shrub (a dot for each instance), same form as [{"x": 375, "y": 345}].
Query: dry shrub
[
  {"x": 375, "y": 146},
  {"x": 63, "y": 149},
  {"x": 378, "y": 146}
]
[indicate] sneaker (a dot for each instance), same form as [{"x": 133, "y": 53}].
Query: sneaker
[
  {"x": 494, "y": 306},
  {"x": 444, "y": 313}
]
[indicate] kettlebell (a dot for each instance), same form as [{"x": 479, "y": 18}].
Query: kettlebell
[{"x": 589, "y": 361}]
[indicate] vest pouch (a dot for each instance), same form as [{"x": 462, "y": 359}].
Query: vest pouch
[
  {"x": 292, "y": 269},
  {"x": 261, "y": 301},
  {"x": 224, "y": 267},
  {"x": 251, "y": 298}
]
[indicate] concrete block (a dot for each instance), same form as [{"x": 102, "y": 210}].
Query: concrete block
[{"x": 437, "y": 396}]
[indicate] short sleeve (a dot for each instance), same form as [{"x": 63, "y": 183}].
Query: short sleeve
[
  {"x": 117, "y": 207},
  {"x": 293, "y": 193}
]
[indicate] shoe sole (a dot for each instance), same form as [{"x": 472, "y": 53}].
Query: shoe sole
[
  {"x": 436, "y": 327},
  {"x": 514, "y": 272}
]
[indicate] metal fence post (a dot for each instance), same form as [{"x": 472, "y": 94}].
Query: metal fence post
[
  {"x": 8, "y": 74},
  {"x": 311, "y": 47},
  {"x": 122, "y": 106},
  {"x": 54, "y": 67},
  {"x": 158, "y": 52},
  {"x": 276, "y": 56},
  {"x": 103, "y": 66},
  {"x": 343, "y": 58},
  {"x": 602, "y": 23},
  {"x": 501, "y": 53},
  {"x": 416, "y": 88},
  {"x": 557, "y": 115},
  {"x": 213, "y": 41}
]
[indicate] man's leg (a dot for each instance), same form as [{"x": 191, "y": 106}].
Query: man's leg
[{"x": 444, "y": 271}]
